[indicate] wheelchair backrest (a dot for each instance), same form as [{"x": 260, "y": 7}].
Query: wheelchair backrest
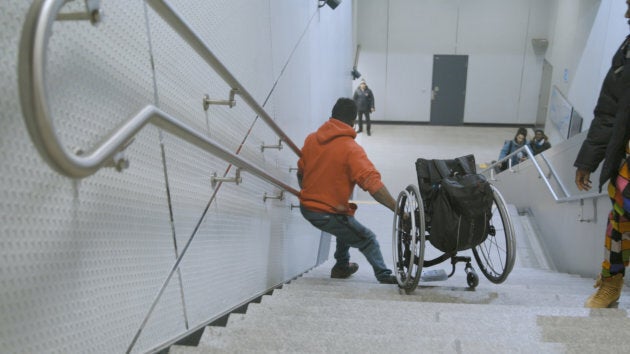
[{"x": 432, "y": 172}]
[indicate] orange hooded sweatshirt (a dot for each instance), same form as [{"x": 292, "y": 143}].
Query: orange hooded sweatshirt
[{"x": 332, "y": 163}]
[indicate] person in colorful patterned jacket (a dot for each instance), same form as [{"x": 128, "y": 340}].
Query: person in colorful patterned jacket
[
  {"x": 607, "y": 140},
  {"x": 332, "y": 163}
]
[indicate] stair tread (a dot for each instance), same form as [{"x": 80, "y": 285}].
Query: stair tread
[
  {"x": 445, "y": 295},
  {"x": 533, "y": 311},
  {"x": 384, "y": 309},
  {"x": 458, "y": 325},
  {"x": 328, "y": 342},
  {"x": 584, "y": 287}
]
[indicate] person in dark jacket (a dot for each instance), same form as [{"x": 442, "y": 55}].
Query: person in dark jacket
[
  {"x": 364, "y": 98},
  {"x": 607, "y": 140},
  {"x": 540, "y": 142}
]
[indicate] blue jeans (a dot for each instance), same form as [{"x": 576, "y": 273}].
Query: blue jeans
[{"x": 350, "y": 233}]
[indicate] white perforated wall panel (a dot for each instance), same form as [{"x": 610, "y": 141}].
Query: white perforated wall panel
[{"x": 82, "y": 260}]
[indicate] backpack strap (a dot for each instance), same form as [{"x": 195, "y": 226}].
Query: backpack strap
[
  {"x": 442, "y": 168},
  {"x": 464, "y": 163}
]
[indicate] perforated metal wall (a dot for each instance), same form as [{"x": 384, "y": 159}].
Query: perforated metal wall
[{"x": 81, "y": 261}]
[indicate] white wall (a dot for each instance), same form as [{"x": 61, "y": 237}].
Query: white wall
[
  {"x": 584, "y": 37},
  {"x": 399, "y": 39},
  {"x": 82, "y": 260}
]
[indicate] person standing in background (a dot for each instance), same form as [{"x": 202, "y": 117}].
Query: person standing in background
[{"x": 364, "y": 98}]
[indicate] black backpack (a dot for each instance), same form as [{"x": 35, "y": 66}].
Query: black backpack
[{"x": 457, "y": 202}]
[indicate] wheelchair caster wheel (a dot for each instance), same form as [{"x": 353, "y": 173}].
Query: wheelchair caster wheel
[{"x": 472, "y": 279}]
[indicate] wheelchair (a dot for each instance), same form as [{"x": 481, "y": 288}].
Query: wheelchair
[{"x": 494, "y": 251}]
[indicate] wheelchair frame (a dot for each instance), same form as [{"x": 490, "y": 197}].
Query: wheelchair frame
[{"x": 495, "y": 256}]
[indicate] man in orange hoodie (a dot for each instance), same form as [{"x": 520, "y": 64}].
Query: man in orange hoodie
[{"x": 332, "y": 163}]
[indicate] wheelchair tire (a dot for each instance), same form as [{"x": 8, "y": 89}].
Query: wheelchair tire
[
  {"x": 408, "y": 238},
  {"x": 495, "y": 256}
]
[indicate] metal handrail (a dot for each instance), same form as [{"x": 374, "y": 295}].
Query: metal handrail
[
  {"x": 33, "y": 96},
  {"x": 526, "y": 149},
  {"x": 36, "y": 34},
  {"x": 171, "y": 17}
]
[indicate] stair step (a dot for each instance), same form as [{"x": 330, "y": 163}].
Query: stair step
[
  {"x": 217, "y": 340},
  {"x": 523, "y": 326},
  {"x": 580, "y": 286},
  {"x": 444, "y": 295},
  {"x": 447, "y": 329},
  {"x": 533, "y": 311},
  {"x": 385, "y": 308},
  {"x": 517, "y": 274}
]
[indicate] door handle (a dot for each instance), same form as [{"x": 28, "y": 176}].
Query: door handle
[{"x": 434, "y": 92}]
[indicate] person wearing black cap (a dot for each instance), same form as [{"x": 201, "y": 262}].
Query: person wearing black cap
[{"x": 332, "y": 163}]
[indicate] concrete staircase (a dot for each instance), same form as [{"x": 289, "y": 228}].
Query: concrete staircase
[{"x": 535, "y": 311}]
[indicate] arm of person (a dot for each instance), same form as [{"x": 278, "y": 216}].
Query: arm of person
[
  {"x": 385, "y": 198},
  {"x": 300, "y": 172},
  {"x": 505, "y": 150},
  {"x": 372, "y": 109},
  {"x": 369, "y": 179}
]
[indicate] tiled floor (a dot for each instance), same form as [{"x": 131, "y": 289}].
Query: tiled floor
[{"x": 394, "y": 149}]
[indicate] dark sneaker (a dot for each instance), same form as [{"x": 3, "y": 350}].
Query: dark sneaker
[
  {"x": 390, "y": 279},
  {"x": 344, "y": 271}
]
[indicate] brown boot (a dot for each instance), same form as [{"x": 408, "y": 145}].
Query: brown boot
[{"x": 608, "y": 292}]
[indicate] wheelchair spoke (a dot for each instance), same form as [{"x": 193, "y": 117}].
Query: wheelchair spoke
[
  {"x": 408, "y": 238},
  {"x": 495, "y": 255}
]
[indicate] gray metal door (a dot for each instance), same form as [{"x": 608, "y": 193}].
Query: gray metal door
[{"x": 448, "y": 95}]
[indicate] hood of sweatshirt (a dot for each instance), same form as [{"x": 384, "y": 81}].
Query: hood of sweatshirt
[{"x": 333, "y": 129}]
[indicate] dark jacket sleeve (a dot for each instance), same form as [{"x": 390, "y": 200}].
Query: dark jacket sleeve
[
  {"x": 609, "y": 109},
  {"x": 593, "y": 148},
  {"x": 371, "y": 99},
  {"x": 506, "y": 149}
]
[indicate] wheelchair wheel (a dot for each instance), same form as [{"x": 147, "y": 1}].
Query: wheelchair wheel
[
  {"x": 408, "y": 238},
  {"x": 495, "y": 256}
]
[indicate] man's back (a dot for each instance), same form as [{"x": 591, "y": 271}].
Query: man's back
[{"x": 332, "y": 163}]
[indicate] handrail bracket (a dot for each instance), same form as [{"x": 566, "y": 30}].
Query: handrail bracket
[
  {"x": 278, "y": 197},
  {"x": 118, "y": 161},
  {"x": 229, "y": 102},
  {"x": 581, "y": 216},
  {"x": 263, "y": 146},
  {"x": 92, "y": 13},
  {"x": 237, "y": 179}
]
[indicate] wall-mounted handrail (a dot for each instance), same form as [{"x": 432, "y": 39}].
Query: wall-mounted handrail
[
  {"x": 567, "y": 198},
  {"x": 183, "y": 29},
  {"x": 554, "y": 173},
  {"x": 33, "y": 96},
  {"x": 36, "y": 33}
]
